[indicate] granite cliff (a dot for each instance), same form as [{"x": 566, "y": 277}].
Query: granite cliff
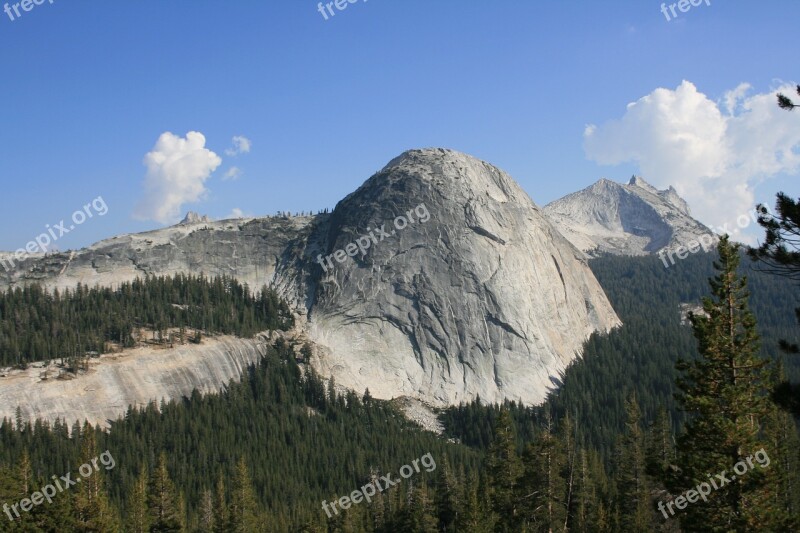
[
  {"x": 484, "y": 298},
  {"x": 477, "y": 294}
]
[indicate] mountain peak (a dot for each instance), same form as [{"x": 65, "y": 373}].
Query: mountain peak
[
  {"x": 448, "y": 162},
  {"x": 422, "y": 266},
  {"x": 437, "y": 172},
  {"x": 427, "y": 333},
  {"x": 194, "y": 218},
  {"x": 631, "y": 219},
  {"x": 605, "y": 184},
  {"x": 638, "y": 181}
]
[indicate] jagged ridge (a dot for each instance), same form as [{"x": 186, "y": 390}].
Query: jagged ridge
[
  {"x": 485, "y": 298},
  {"x": 631, "y": 219}
]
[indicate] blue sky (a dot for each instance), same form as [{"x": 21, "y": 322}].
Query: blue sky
[{"x": 90, "y": 87}]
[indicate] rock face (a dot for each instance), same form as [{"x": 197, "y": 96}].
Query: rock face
[
  {"x": 193, "y": 218},
  {"x": 139, "y": 376},
  {"x": 247, "y": 249},
  {"x": 632, "y": 219},
  {"x": 480, "y": 297},
  {"x": 478, "y": 294}
]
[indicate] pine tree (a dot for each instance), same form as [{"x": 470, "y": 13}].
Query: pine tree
[
  {"x": 93, "y": 509},
  {"x": 659, "y": 461},
  {"x": 163, "y": 503},
  {"x": 632, "y": 483},
  {"x": 20, "y": 486},
  {"x": 781, "y": 433},
  {"x": 543, "y": 487},
  {"x": 659, "y": 446},
  {"x": 474, "y": 517},
  {"x": 57, "y": 516},
  {"x": 417, "y": 513},
  {"x": 446, "y": 498},
  {"x": 220, "y": 507},
  {"x": 504, "y": 469},
  {"x": 378, "y": 509},
  {"x": 585, "y": 508},
  {"x": 206, "y": 518},
  {"x": 784, "y": 102},
  {"x": 567, "y": 438},
  {"x": 243, "y": 510},
  {"x": 725, "y": 391},
  {"x": 137, "y": 519},
  {"x": 779, "y": 254}
]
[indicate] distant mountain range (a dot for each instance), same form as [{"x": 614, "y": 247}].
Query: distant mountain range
[
  {"x": 631, "y": 219},
  {"x": 475, "y": 292},
  {"x": 471, "y": 293}
]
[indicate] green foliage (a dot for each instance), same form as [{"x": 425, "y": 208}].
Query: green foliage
[
  {"x": 36, "y": 325},
  {"x": 92, "y": 509},
  {"x": 640, "y": 356},
  {"x": 163, "y": 501},
  {"x": 243, "y": 511},
  {"x": 137, "y": 518},
  {"x": 544, "y": 490},
  {"x": 264, "y": 453},
  {"x": 726, "y": 393},
  {"x": 301, "y": 445},
  {"x": 448, "y": 498},
  {"x": 504, "y": 468},
  {"x": 633, "y": 484},
  {"x": 784, "y": 102},
  {"x": 779, "y": 254}
]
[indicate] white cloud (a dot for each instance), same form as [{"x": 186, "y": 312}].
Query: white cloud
[
  {"x": 732, "y": 98},
  {"x": 241, "y": 145},
  {"x": 233, "y": 173},
  {"x": 177, "y": 169},
  {"x": 713, "y": 153},
  {"x": 235, "y": 213}
]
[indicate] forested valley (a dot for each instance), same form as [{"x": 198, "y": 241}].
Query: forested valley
[{"x": 264, "y": 454}]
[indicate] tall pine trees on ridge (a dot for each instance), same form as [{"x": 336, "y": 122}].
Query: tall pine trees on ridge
[
  {"x": 726, "y": 393},
  {"x": 37, "y": 325}
]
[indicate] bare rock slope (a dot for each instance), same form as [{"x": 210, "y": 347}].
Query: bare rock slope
[
  {"x": 483, "y": 296},
  {"x": 134, "y": 378},
  {"x": 248, "y": 249},
  {"x": 631, "y": 219}
]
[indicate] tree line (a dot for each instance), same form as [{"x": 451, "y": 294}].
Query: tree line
[{"x": 65, "y": 326}]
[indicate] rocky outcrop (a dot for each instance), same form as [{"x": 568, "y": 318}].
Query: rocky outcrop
[
  {"x": 632, "y": 219},
  {"x": 135, "y": 378},
  {"x": 248, "y": 249},
  {"x": 480, "y": 297},
  {"x": 194, "y": 218},
  {"x": 477, "y": 294}
]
